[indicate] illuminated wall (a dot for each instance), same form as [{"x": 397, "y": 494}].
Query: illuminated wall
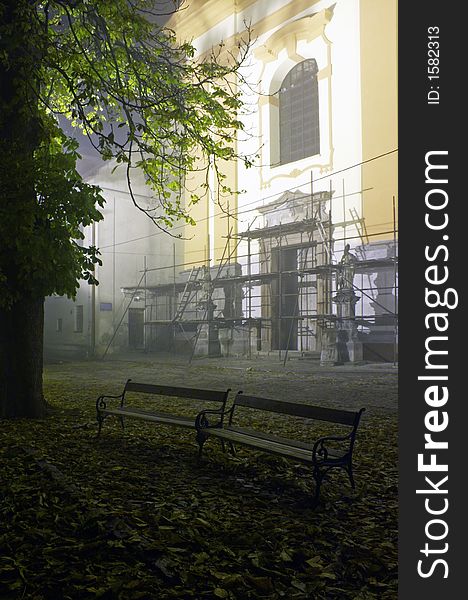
[{"x": 354, "y": 45}]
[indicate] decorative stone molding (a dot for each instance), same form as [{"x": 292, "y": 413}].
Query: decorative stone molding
[
  {"x": 278, "y": 55},
  {"x": 307, "y": 28}
]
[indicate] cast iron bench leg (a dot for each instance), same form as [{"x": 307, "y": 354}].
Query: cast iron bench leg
[
  {"x": 201, "y": 439},
  {"x": 349, "y": 468},
  {"x": 318, "y": 476},
  {"x": 100, "y": 420}
]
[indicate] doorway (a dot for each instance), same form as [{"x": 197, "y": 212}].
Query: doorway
[
  {"x": 285, "y": 290},
  {"x": 136, "y": 325}
]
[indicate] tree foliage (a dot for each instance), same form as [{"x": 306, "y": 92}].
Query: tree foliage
[
  {"x": 143, "y": 100},
  {"x": 45, "y": 234}
]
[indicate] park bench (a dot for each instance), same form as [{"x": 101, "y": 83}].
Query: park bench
[
  {"x": 105, "y": 405},
  {"x": 325, "y": 453}
]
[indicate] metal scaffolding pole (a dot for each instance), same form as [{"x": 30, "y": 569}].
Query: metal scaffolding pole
[
  {"x": 330, "y": 241},
  {"x": 395, "y": 306},
  {"x": 311, "y": 195},
  {"x": 174, "y": 296},
  {"x": 249, "y": 272},
  {"x": 280, "y": 292},
  {"x": 344, "y": 213},
  {"x": 145, "y": 313},
  {"x": 300, "y": 295}
]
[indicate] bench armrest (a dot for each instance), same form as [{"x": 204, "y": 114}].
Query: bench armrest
[
  {"x": 202, "y": 422},
  {"x": 320, "y": 451},
  {"x": 101, "y": 403}
]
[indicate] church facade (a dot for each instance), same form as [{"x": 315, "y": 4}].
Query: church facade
[
  {"x": 320, "y": 93},
  {"x": 320, "y": 90}
]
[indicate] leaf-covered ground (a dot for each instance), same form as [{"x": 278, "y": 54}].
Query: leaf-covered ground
[{"x": 135, "y": 515}]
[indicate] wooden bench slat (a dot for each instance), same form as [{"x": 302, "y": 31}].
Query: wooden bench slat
[
  {"x": 181, "y": 392},
  {"x": 272, "y": 437},
  {"x": 151, "y": 416},
  {"x": 277, "y": 440},
  {"x": 320, "y": 413},
  {"x": 267, "y": 445}
]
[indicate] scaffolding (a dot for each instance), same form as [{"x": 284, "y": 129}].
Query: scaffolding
[{"x": 274, "y": 290}]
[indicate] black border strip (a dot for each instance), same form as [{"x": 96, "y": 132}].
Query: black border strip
[{"x": 432, "y": 118}]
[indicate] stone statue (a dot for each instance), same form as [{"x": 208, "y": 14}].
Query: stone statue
[
  {"x": 228, "y": 310},
  {"x": 347, "y": 344},
  {"x": 207, "y": 288},
  {"x": 207, "y": 285},
  {"x": 347, "y": 269}
]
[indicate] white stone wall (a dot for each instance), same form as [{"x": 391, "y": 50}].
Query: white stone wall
[{"x": 128, "y": 241}]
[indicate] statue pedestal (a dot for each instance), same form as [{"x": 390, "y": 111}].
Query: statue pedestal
[
  {"x": 354, "y": 350},
  {"x": 349, "y": 348},
  {"x": 329, "y": 353},
  {"x": 207, "y": 343},
  {"x": 225, "y": 337}
]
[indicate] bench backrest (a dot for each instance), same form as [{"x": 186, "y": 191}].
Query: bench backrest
[
  {"x": 180, "y": 392},
  {"x": 333, "y": 415}
]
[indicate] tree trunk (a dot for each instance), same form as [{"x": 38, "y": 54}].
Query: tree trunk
[
  {"x": 22, "y": 323},
  {"x": 21, "y": 353}
]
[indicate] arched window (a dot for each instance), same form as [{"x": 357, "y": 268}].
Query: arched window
[{"x": 299, "y": 113}]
